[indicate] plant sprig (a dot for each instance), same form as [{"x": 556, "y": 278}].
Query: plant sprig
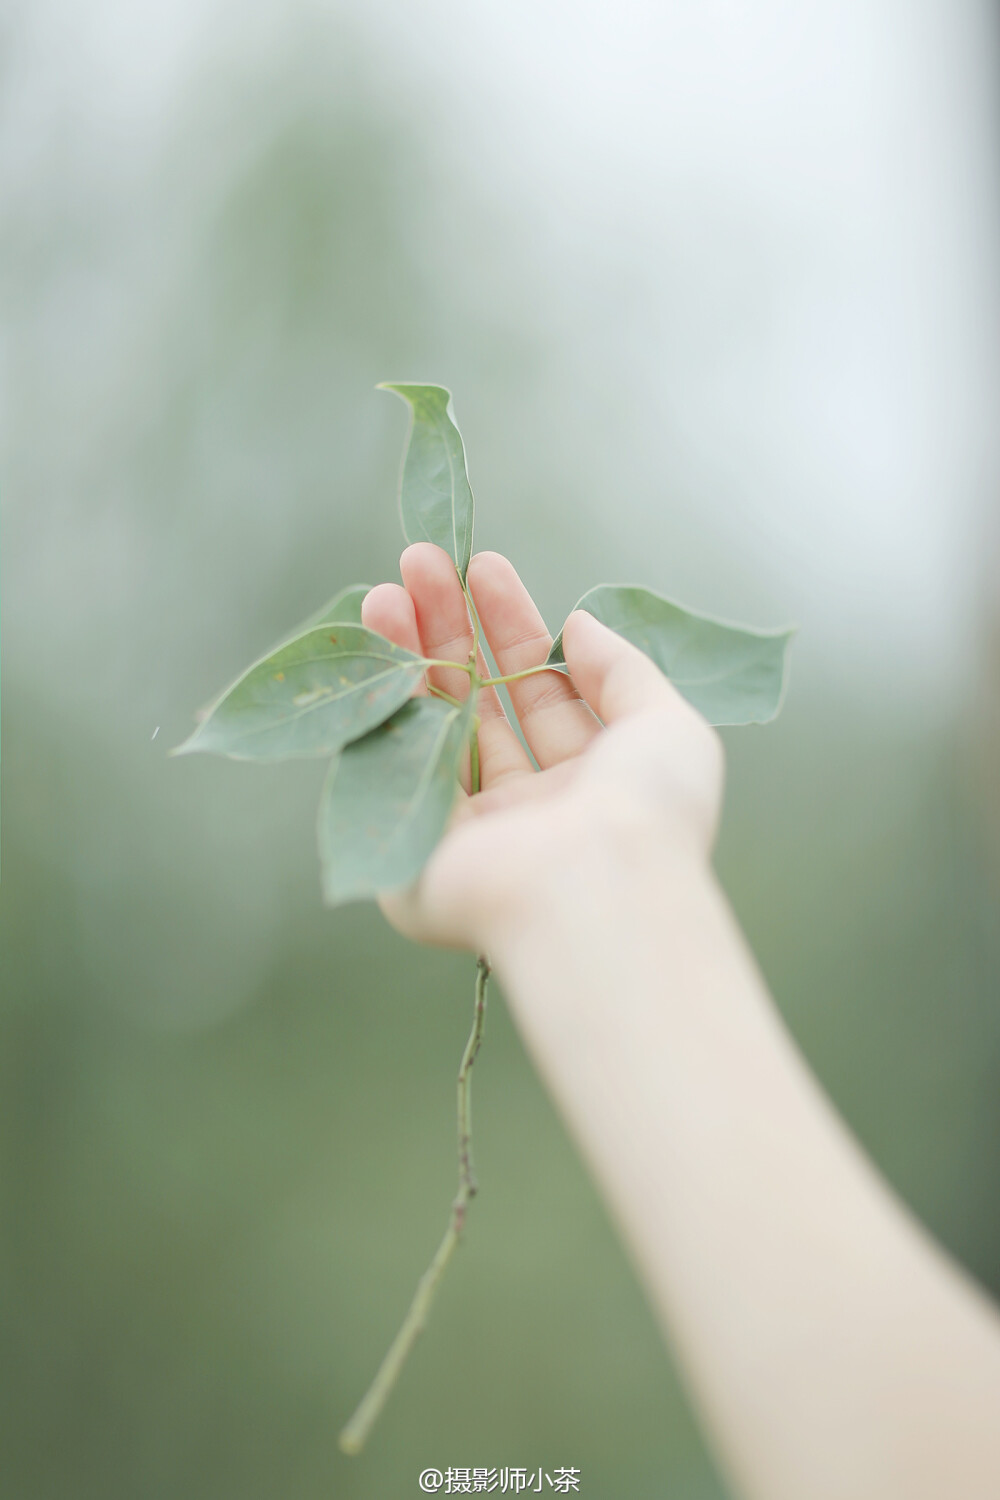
[{"x": 335, "y": 688}]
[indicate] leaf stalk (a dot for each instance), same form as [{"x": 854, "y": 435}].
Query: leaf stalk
[{"x": 515, "y": 676}]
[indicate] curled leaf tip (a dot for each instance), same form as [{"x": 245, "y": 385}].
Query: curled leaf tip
[
  {"x": 186, "y": 747},
  {"x": 404, "y": 387}
]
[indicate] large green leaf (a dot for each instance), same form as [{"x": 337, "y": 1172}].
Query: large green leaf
[
  {"x": 311, "y": 696},
  {"x": 435, "y": 499},
  {"x": 387, "y": 798},
  {"x": 344, "y": 608},
  {"x": 731, "y": 674}
]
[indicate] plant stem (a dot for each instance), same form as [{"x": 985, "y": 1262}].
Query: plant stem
[
  {"x": 467, "y": 1183},
  {"x": 474, "y": 758},
  {"x": 355, "y": 1434},
  {"x": 440, "y": 693},
  {"x": 460, "y": 666},
  {"x": 513, "y": 676},
  {"x": 474, "y": 613}
]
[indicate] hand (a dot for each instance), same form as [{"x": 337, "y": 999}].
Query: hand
[{"x": 627, "y": 769}]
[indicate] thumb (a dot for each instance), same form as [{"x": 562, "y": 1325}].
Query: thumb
[{"x": 614, "y": 677}]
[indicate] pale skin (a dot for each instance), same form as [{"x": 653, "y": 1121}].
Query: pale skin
[{"x": 831, "y": 1348}]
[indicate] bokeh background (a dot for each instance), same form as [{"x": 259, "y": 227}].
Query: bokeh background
[{"x": 715, "y": 287}]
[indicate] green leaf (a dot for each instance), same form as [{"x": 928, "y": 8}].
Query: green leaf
[
  {"x": 311, "y": 696},
  {"x": 343, "y": 609},
  {"x": 730, "y": 673},
  {"x": 435, "y": 499},
  {"x": 387, "y": 798}
]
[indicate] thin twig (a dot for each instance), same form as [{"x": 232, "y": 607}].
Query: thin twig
[{"x": 355, "y": 1434}]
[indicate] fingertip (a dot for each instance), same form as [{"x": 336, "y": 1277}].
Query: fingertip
[
  {"x": 582, "y": 651},
  {"x": 423, "y": 557},
  {"x": 388, "y": 610},
  {"x": 490, "y": 562},
  {"x": 380, "y": 599},
  {"x": 493, "y": 582},
  {"x": 614, "y": 676},
  {"x": 582, "y": 629}
]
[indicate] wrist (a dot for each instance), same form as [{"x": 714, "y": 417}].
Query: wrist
[{"x": 611, "y": 883}]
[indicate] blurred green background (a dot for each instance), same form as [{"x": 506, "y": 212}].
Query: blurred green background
[{"x": 710, "y": 290}]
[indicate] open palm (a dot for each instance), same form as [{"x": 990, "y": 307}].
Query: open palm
[{"x": 656, "y": 771}]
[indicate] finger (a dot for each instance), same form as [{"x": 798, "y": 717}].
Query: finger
[
  {"x": 445, "y": 631},
  {"x": 556, "y": 722},
  {"x": 405, "y": 906},
  {"x": 615, "y": 677},
  {"x": 388, "y": 610},
  {"x": 431, "y": 581}
]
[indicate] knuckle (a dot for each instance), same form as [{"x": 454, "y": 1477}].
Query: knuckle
[
  {"x": 536, "y": 636},
  {"x": 453, "y": 645},
  {"x": 547, "y": 695}
]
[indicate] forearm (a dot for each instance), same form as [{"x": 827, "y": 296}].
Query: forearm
[{"x": 832, "y": 1349}]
